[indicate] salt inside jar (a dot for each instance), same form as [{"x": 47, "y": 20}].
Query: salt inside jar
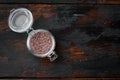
[{"x": 41, "y": 42}]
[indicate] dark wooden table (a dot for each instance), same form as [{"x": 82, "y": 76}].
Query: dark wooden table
[{"x": 87, "y": 38}]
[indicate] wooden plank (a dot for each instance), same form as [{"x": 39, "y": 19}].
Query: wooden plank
[{"x": 64, "y": 1}]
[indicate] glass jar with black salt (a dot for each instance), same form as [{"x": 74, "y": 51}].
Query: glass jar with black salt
[{"x": 40, "y": 42}]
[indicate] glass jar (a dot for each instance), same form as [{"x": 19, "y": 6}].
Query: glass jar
[{"x": 40, "y": 42}]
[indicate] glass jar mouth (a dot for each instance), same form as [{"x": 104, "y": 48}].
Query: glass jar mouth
[
  {"x": 31, "y": 34},
  {"x": 20, "y": 20}
]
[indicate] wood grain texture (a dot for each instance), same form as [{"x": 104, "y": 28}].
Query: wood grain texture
[
  {"x": 63, "y": 1},
  {"x": 87, "y": 39}
]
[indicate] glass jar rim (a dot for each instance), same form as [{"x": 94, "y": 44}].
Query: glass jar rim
[{"x": 14, "y": 14}]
